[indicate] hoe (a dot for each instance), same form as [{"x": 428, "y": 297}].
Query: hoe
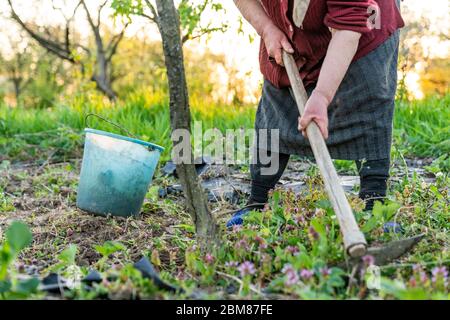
[{"x": 355, "y": 243}]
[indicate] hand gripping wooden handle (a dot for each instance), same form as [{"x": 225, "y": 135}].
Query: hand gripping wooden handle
[{"x": 354, "y": 241}]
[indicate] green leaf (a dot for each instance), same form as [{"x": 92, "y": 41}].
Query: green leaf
[
  {"x": 5, "y": 286},
  {"x": 67, "y": 256},
  {"x": 275, "y": 200},
  {"x": 152, "y": 193},
  {"x": 303, "y": 260},
  {"x": 18, "y": 236},
  {"x": 292, "y": 240},
  {"x": 27, "y": 286},
  {"x": 390, "y": 210},
  {"x": 336, "y": 281},
  {"x": 187, "y": 227},
  {"x": 384, "y": 212},
  {"x": 324, "y": 204},
  {"x": 109, "y": 247},
  {"x": 319, "y": 227},
  {"x": 377, "y": 210},
  {"x": 371, "y": 224}
]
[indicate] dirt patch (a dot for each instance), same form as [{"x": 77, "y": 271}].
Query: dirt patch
[{"x": 45, "y": 198}]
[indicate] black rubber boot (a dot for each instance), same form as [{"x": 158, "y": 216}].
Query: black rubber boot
[
  {"x": 374, "y": 175},
  {"x": 263, "y": 183}
]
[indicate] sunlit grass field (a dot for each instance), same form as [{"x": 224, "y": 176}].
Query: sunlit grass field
[
  {"x": 421, "y": 128},
  {"x": 145, "y": 116}
]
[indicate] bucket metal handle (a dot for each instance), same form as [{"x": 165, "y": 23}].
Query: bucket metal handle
[{"x": 110, "y": 122}]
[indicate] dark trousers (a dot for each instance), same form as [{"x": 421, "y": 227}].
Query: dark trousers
[{"x": 373, "y": 176}]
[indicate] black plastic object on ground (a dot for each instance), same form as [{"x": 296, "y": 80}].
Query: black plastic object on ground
[
  {"x": 53, "y": 283},
  {"x": 92, "y": 277},
  {"x": 201, "y": 165},
  {"x": 148, "y": 271}
]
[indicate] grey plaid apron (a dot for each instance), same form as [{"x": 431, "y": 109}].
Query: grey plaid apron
[{"x": 360, "y": 115}]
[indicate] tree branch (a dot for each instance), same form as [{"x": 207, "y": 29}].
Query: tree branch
[
  {"x": 99, "y": 13},
  {"x": 153, "y": 10},
  {"x": 95, "y": 28},
  {"x": 189, "y": 36},
  {"x": 47, "y": 43},
  {"x": 114, "y": 43}
]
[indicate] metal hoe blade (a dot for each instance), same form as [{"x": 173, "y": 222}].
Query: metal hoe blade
[
  {"x": 388, "y": 252},
  {"x": 393, "y": 250}
]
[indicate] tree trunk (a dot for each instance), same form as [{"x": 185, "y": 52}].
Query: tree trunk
[
  {"x": 104, "y": 86},
  {"x": 180, "y": 117},
  {"x": 102, "y": 78},
  {"x": 17, "y": 89},
  {"x": 102, "y": 65},
  {"x": 101, "y": 75}
]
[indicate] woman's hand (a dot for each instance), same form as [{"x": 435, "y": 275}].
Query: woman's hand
[
  {"x": 315, "y": 110},
  {"x": 275, "y": 41}
]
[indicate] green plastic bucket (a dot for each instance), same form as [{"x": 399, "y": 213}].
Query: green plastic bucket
[{"x": 116, "y": 173}]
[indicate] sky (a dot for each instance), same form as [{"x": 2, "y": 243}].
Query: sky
[{"x": 238, "y": 50}]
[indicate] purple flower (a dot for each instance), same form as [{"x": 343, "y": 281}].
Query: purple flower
[
  {"x": 291, "y": 278},
  {"x": 290, "y": 227},
  {"x": 242, "y": 244},
  {"x": 291, "y": 275},
  {"x": 325, "y": 271},
  {"x": 262, "y": 242},
  {"x": 231, "y": 264},
  {"x": 416, "y": 268},
  {"x": 423, "y": 277},
  {"x": 306, "y": 274},
  {"x": 181, "y": 275},
  {"x": 439, "y": 273},
  {"x": 299, "y": 219},
  {"x": 292, "y": 250},
  {"x": 246, "y": 268},
  {"x": 313, "y": 233},
  {"x": 287, "y": 268},
  {"x": 368, "y": 260},
  {"x": 419, "y": 274},
  {"x": 209, "y": 258}
]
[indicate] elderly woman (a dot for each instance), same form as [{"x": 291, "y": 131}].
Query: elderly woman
[{"x": 346, "y": 52}]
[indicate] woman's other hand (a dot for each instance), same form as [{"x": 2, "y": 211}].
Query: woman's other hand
[
  {"x": 276, "y": 41},
  {"x": 315, "y": 110}
]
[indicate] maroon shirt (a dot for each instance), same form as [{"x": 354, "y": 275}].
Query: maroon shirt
[{"x": 311, "y": 41}]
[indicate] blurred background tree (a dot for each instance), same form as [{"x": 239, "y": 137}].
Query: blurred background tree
[
  {"x": 90, "y": 48},
  {"x": 419, "y": 60},
  {"x": 94, "y": 57},
  {"x": 35, "y": 77}
]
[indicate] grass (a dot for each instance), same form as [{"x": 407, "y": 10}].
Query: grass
[
  {"x": 422, "y": 128},
  {"x": 39, "y": 156},
  {"x": 26, "y": 132},
  {"x": 294, "y": 232}
]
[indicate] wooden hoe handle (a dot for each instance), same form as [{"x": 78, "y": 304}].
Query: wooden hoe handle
[{"x": 354, "y": 241}]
